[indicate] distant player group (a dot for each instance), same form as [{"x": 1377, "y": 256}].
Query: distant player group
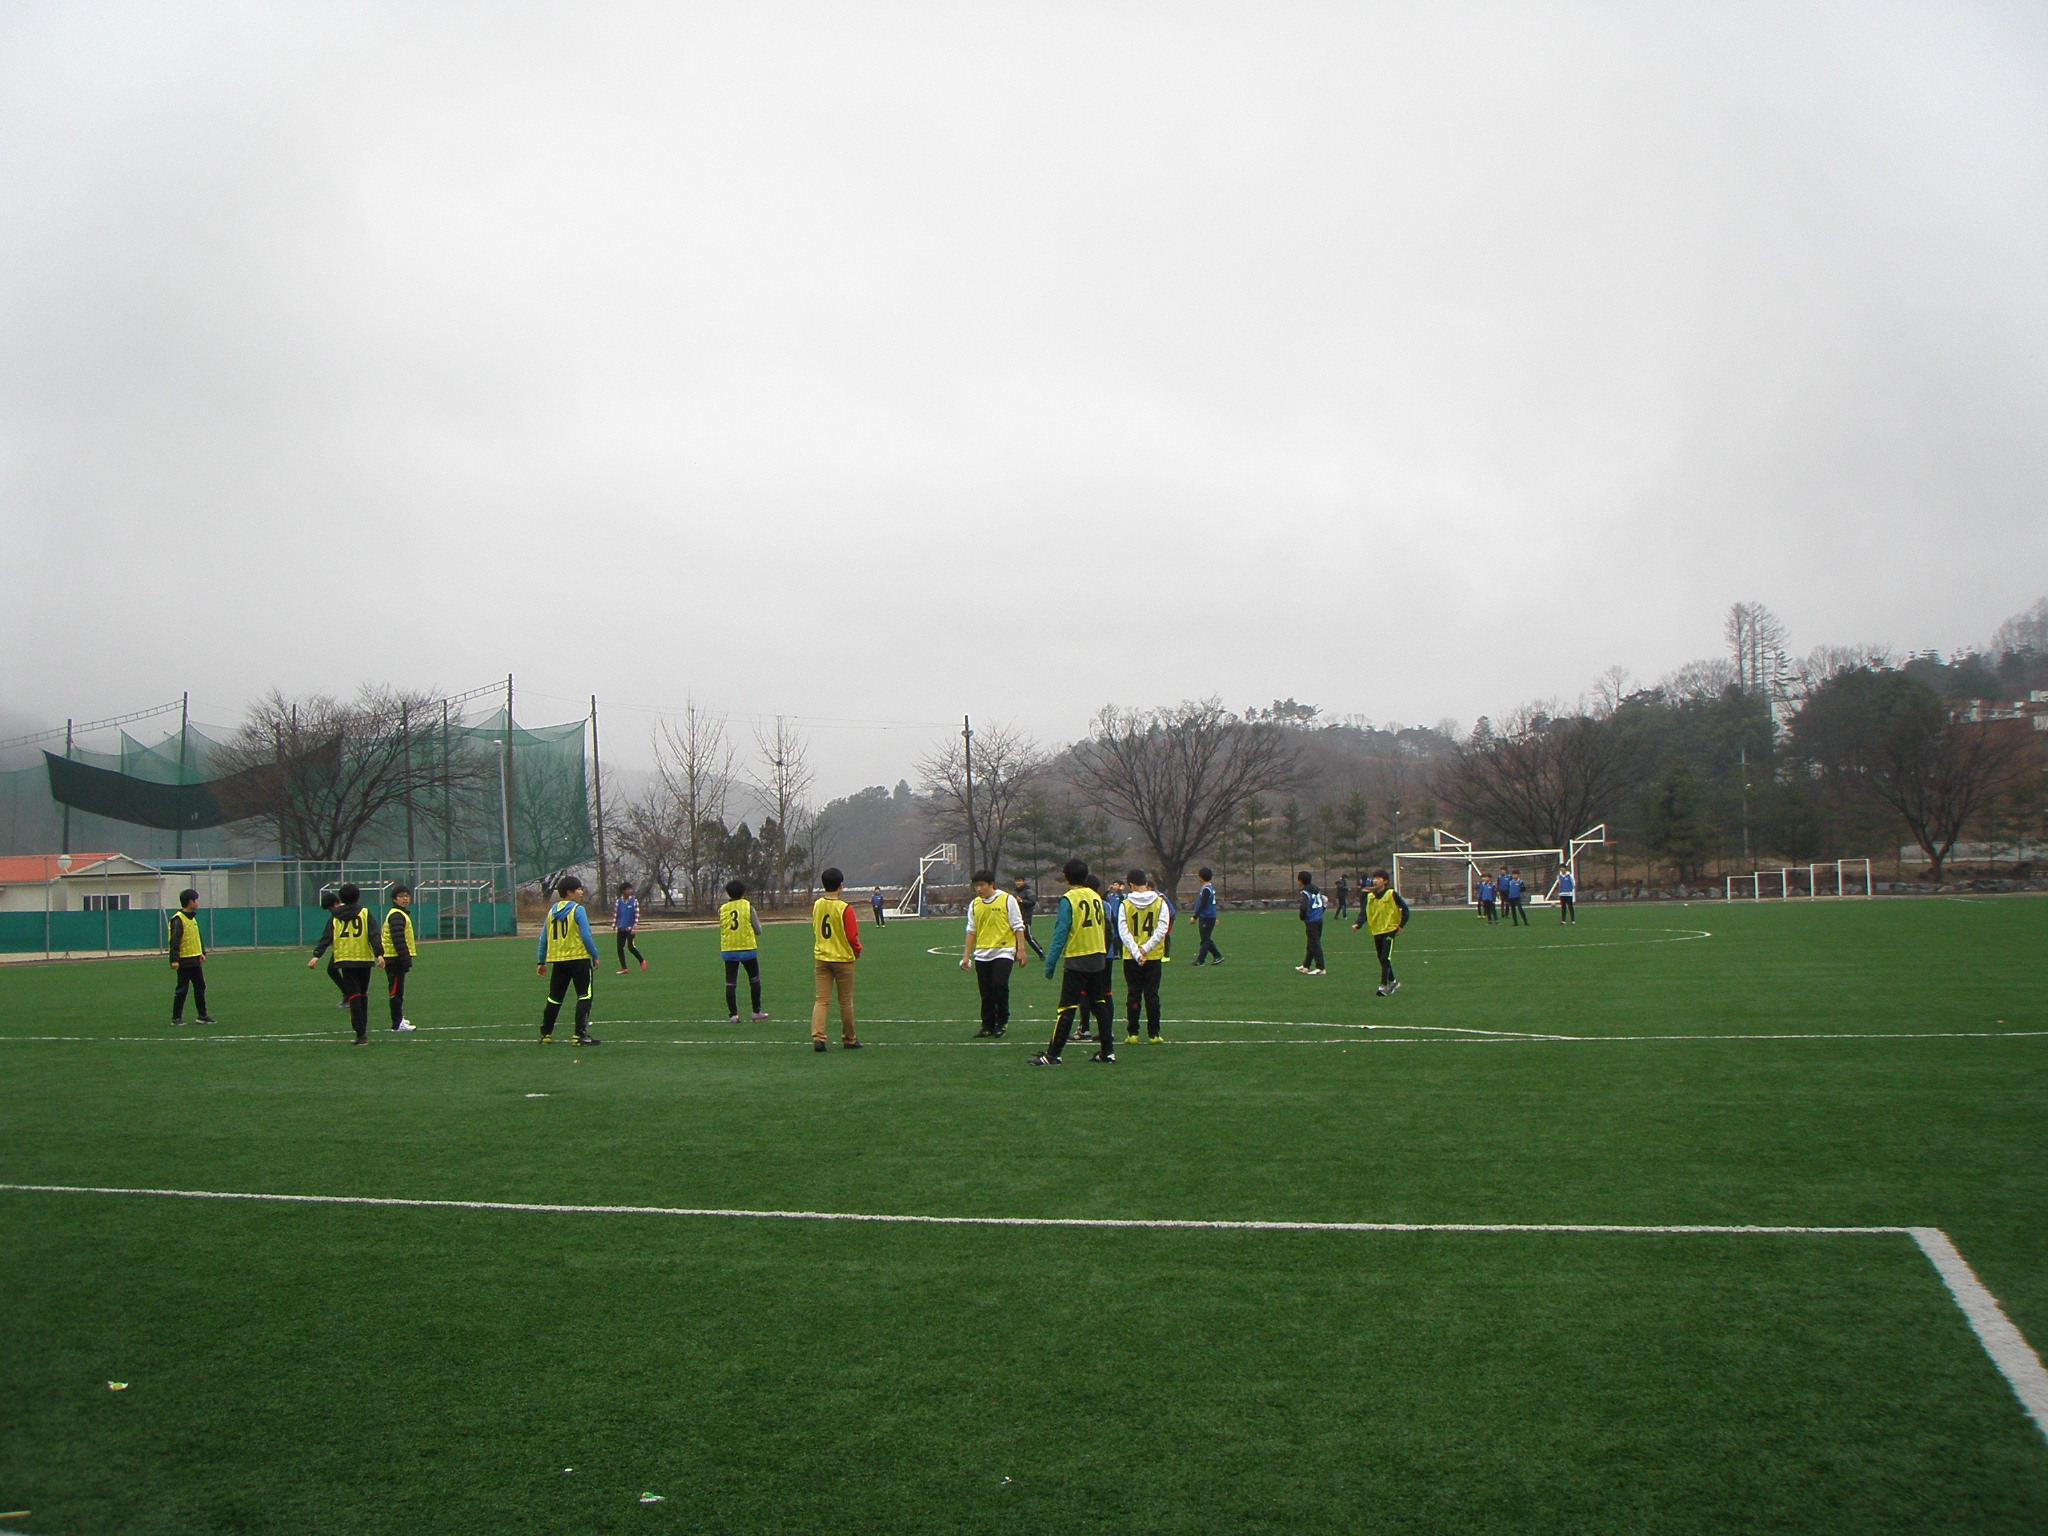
[{"x": 1129, "y": 922}]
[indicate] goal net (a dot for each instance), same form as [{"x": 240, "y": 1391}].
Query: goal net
[{"x": 1452, "y": 876}]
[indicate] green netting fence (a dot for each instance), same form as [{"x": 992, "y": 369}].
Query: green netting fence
[
  {"x": 122, "y": 907},
  {"x": 541, "y": 806}
]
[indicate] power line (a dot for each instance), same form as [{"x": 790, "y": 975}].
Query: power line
[
  {"x": 58, "y": 732},
  {"x": 818, "y": 722}
]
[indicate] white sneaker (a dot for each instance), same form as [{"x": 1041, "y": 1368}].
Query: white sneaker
[
  {"x": 1302, "y": 970},
  {"x": 403, "y": 1026}
]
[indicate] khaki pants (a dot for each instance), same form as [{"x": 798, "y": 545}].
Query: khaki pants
[{"x": 833, "y": 973}]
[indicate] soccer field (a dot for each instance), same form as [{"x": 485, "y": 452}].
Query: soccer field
[{"x": 355, "y": 1367}]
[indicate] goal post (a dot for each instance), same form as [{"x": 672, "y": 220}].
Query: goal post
[{"x": 1450, "y": 869}]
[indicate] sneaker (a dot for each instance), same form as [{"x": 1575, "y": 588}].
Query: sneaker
[
  {"x": 341, "y": 1003},
  {"x": 759, "y": 1018},
  {"x": 819, "y": 1045},
  {"x": 733, "y": 1020},
  {"x": 1393, "y": 986},
  {"x": 999, "y": 1034},
  {"x": 984, "y": 1034},
  {"x": 546, "y": 1038},
  {"x": 1217, "y": 961},
  {"x": 643, "y": 965},
  {"x": 588, "y": 1040},
  {"x": 849, "y": 1045},
  {"x": 1103, "y": 1056},
  {"x": 207, "y": 1018},
  {"x": 620, "y": 971},
  {"x": 1130, "y": 1037},
  {"x": 1319, "y": 971},
  {"x": 1381, "y": 990},
  {"x": 362, "y": 1039},
  {"x": 403, "y": 1027},
  {"x": 1043, "y": 1061},
  {"x": 177, "y": 1023},
  {"x": 1303, "y": 970},
  {"x": 1155, "y": 1039}
]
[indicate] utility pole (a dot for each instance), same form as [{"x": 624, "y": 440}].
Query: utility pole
[
  {"x": 967, "y": 738},
  {"x": 447, "y": 792},
  {"x": 184, "y": 735},
  {"x": 67, "y": 809},
  {"x": 1746, "y": 857},
  {"x": 597, "y": 779},
  {"x": 412, "y": 856},
  {"x": 505, "y": 790}
]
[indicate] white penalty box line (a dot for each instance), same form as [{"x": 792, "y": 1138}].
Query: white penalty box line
[{"x": 2002, "y": 1340}]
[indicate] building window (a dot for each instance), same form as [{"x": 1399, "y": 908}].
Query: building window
[{"x": 106, "y": 903}]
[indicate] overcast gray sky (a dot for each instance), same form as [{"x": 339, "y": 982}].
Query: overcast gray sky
[{"x": 876, "y": 362}]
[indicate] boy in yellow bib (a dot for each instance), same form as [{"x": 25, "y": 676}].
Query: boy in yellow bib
[
  {"x": 1383, "y": 913},
  {"x": 835, "y": 946},
  {"x": 995, "y": 944},
  {"x": 1080, "y": 936},
  {"x": 567, "y": 956},
  {"x": 188, "y": 958},
  {"x": 401, "y": 948},
  {"x": 739, "y": 946},
  {"x": 358, "y": 950}
]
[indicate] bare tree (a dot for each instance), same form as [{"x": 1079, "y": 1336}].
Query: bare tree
[
  {"x": 550, "y": 818},
  {"x": 651, "y": 832},
  {"x": 1756, "y": 641},
  {"x": 1894, "y": 740},
  {"x": 1538, "y": 778},
  {"x": 320, "y": 772},
  {"x": 782, "y": 783},
  {"x": 1180, "y": 775},
  {"x": 2024, "y": 631},
  {"x": 1707, "y": 678},
  {"x": 695, "y": 763},
  {"x": 1007, "y": 764}
]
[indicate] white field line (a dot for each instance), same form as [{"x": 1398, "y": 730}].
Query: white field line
[
  {"x": 526, "y": 1037},
  {"x": 1682, "y": 936},
  {"x": 2007, "y": 1347},
  {"x": 2004, "y": 1343}
]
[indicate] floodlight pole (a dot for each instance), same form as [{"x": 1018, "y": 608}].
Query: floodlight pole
[
  {"x": 184, "y": 733},
  {"x": 412, "y": 856},
  {"x": 597, "y": 780},
  {"x": 66, "y": 848},
  {"x": 505, "y": 803},
  {"x": 967, "y": 738}
]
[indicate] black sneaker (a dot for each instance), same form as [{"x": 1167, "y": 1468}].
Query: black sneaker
[
  {"x": 984, "y": 1034},
  {"x": 999, "y": 1033},
  {"x": 177, "y": 1023},
  {"x": 1381, "y": 990},
  {"x": 362, "y": 1039},
  {"x": 1393, "y": 987},
  {"x": 207, "y": 1018},
  {"x": 588, "y": 1040},
  {"x": 819, "y": 1045},
  {"x": 1043, "y": 1061},
  {"x": 850, "y": 1045},
  {"x": 1103, "y": 1056}
]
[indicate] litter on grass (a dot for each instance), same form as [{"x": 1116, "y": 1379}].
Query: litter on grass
[
  {"x": 536, "y": 1095},
  {"x": 651, "y": 1498},
  {"x": 117, "y": 1386}
]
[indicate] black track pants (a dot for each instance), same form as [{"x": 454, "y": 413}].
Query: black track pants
[
  {"x": 1141, "y": 988},
  {"x": 752, "y": 963},
  {"x": 192, "y": 977},
  {"x": 563, "y": 975},
  {"x": 992, "y": 980}
]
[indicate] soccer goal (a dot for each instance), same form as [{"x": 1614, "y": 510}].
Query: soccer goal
[
  {"x": 1844, "y": 877},
  {"x": 1761, "y": 885},
  {"x": 913, "y": 902},
  {"x": 1448, "y": 872}
]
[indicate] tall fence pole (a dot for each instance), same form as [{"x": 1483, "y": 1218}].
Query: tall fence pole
[{"x": 597, "y": 780}]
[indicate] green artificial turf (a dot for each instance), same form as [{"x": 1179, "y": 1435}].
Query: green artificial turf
[{"x": 357, "y": 1369}]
